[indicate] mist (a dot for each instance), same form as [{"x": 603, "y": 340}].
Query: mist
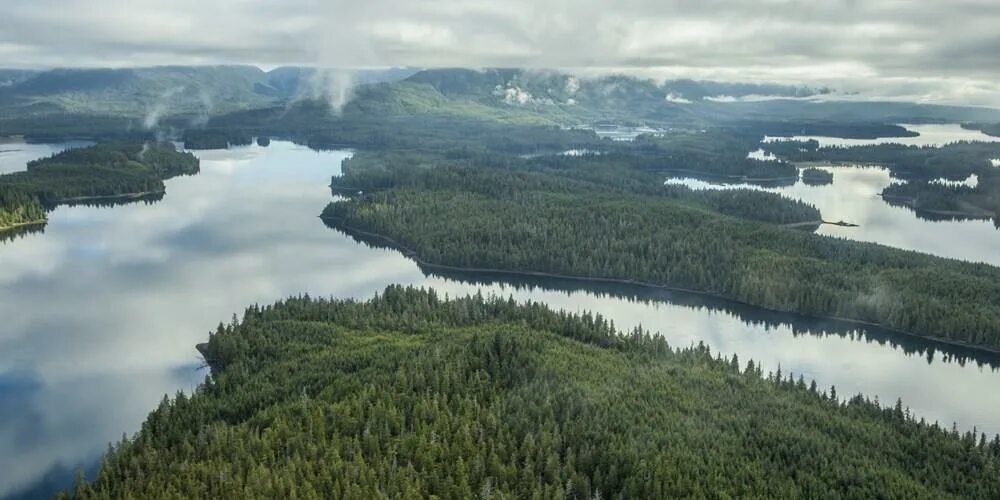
[{"x": 934, "y": 51}]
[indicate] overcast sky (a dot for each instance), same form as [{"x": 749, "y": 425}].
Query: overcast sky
[{"x": 933, "y": 50}]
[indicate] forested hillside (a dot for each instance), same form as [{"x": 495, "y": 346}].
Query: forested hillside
[
  {"x": 96, "y": 172},
  {"x": 568, "y": 224},
  {"x": 18, "y": 207},
  {"x": 412, "y": 396},
  {"x": 478, "y": 172}
]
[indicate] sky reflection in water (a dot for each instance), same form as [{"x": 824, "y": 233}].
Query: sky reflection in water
[
  {"x": 930, "y": 135},
  {"x": 854, "y": 197},
  {"x": 103, "y": 309}
]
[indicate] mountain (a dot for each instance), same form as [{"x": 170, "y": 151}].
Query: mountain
[
  {"x": 100, "y": 102},
  {"x": 140, "y": 92},
  {"x": 622, "y": 98},
  {"x": 296, "y": 80},
  {"x": 155, "y": 93},
  {"x": 10, "y": 77}
]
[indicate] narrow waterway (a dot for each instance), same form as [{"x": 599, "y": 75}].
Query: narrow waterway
[{"x": 103, "y": 309}]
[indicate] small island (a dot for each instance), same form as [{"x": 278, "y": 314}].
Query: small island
[
  {"x": 816, "y": 177},
  {"x": 101, "y": 172},
  {"x": 214, "y": 139},
  {"x": 948, "y": 202}
]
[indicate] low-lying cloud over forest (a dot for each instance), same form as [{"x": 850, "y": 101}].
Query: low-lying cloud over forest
[{"x": 934, "y": 51}]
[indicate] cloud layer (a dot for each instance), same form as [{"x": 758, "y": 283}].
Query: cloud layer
[{"x": 936, "y": 50}]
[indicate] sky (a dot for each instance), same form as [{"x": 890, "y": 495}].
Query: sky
[{"x": 930, "y": 50}]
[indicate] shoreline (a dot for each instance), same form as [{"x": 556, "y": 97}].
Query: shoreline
[
  {"x": 911, "y": 203},
  {"x": 696, "y": 174},
  {"x": 123, "y": 196},
  {"x": 821, "y": 222},
  {"x": 38, "y": 222},
  {"x": 411, "y": 254}
]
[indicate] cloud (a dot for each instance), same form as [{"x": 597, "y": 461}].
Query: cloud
[
  {"x": 938, "y": 50},
  {"x": 677, "y": 98}
]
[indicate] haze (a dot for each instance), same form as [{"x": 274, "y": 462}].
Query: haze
[{"x": 933, "y": 51}]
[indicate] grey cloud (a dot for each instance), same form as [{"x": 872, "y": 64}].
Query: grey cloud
[{"x": 857, "y": 45}]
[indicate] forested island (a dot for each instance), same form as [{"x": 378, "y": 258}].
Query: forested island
[
  {"x": 409, "y": 395},
  {"x": 919, "y": 166},
  {"x": 992, "y": 129},
  {"x": 816, "y": 177},
  {"x": 581, "y": 221},
  {"x": 857, "y": 130},
  {"x": 714, "y": 154},
  {"x": 100, "y": 172},
  {"x": 943, "y": 201}
]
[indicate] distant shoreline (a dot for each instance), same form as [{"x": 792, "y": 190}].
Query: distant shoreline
[
  {"x": 411, "y": 254},
  {"x": 819, "y": 223},
  {"x": 124, "y": 196},
  {"x": 697, "y": 174},
  {"x": 912, "y": 204}
]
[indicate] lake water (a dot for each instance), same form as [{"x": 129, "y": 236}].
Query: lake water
[
  {"x": 855, "y": 197},
  {"x": 103, "y": 309},
  {"x": 930, "y": 135},
  {"x": 15, "y": 153},
  {"x": 624, "y": 133}
]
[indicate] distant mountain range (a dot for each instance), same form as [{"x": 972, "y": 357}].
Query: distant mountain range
[
  {"x": 191, "y": 96},
  {"x": 160, "y": 91}
]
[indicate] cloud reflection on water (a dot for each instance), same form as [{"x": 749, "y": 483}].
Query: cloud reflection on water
[{"x": 103, "y": 309}]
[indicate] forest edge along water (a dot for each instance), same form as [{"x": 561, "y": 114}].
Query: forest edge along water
[
  {"x": 244, "y": 231},
  {"x": 339, "y": 224}
]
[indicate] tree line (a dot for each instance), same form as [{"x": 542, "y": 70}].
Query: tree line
[
  {"x": 99, "y": 171},
  {"x": 410, "y": 395},
  {"x": 495, "y": 218}
]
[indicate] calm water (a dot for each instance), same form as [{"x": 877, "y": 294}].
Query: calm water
[
  {"x": 102, "y": 310},
  {"x": 930, "y": 135},
  {"x": 854, "y": 197},
  {"x": 15, "y": 153}
]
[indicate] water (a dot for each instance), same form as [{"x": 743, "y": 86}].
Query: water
[
  {"x": 15, "y": 153},
  {"x": 855, "y": 197},
  {"x": 623, "y": 133},
  {"x": 102, "y": 311},
  {"x": 930, "y": 135}
]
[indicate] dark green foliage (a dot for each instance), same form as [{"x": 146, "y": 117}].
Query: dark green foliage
[
  {"x": 941, "y": 201},
  {"x": 992, "y": 129},
  {"x": 134, "y": 92},
  {"x": 162, "y": 158},
  {"x": 412, "y": 396},
  {"x": 953, "y": 161},
  {"x": 816, "y": 177},
  {"x": 500, "y": 175},
  {"x": 541, "y": 222},
  {"x": 18, "y": 206},
  {"x": 214, "y": 139},
  {"x": 713, "y": 153},
  {"x": 919, "y": 165},
  {"x": 95, "y": 172}
]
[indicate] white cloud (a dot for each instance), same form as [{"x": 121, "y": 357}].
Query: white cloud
[
  {"x": 677, "y": 99},
  {"x": 936, "y": 50}
]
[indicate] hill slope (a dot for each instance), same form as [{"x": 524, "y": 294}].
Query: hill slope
[
  {"x": 149, "y": 93},
  {"x": 411, "y": 396}
]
